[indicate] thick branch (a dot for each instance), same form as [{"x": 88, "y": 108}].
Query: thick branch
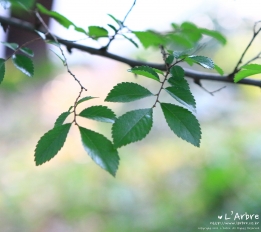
[{"x": 196, "y": 75}]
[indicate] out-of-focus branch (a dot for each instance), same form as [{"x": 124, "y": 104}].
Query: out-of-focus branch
[
  {"x": 117, "y": 31},
  {"x": 196, "y": 75},
  {"x": 237, "y": 68}
]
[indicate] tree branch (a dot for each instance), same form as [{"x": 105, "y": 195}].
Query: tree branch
[{"x": 196, "y": 75}]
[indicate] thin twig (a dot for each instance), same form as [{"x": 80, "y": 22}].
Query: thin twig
[
  {"x": 123, "y": 21},
  {"x": 255, "y": 25},
  {"x": 56, "y": 40},
  {"x": 161, "y": 87},
  {"x": 119, "y": 29},
  {"x": 198, "y": 82},
  {"x": 74, "y": 107},
  {"x": 164, "y": 56},
  {"x": 255, "y": 33},
  {"x": 23, "y": 45},
  {"x": 254, "y": 58},
  {"x": 218, "y": 90}
]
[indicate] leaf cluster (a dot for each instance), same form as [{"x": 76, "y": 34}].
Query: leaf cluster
[{"x": 177, "y": 45}]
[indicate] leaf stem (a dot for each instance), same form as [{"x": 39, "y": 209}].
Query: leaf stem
[
  {"x": 161, "y": 87},
  {"x": 74, "y": 107},
  {"x": 164, "y": 56},
  {"x": 105, "y": 48},
  {"x": 56, "y": 40},
  {"x": 128, "y": 12},
  {"x": 23, "y": 45}
]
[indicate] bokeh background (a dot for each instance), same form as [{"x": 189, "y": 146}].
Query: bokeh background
[{"x": 163, "y": 183}]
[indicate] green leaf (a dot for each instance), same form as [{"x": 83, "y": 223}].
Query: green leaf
[
  {"x": 205, "y": 62},
  {"x": 245, "y": 73},
  {"x": 116, "y": 20},
  {"x": 182, "y": 122},
  {"x": 175, "y": 26},
  {"x": 191, "y": 32},
  {"x": 247, "y": 70},
  {"x": 69, "y": 110},
  {"x": 2, "y": 69},
  {"x": 127, "y": 92},
  {"x": 256, "y": 67},
  {"x": 183, "y": 96},
  {"x": 180, "y": 40},
  {"x": 50, "y": 143},
  {"x": 177, "y": 54},
  {"x": 97, "y": 32},
  {"x": 22, "y": 4},
  {"x": 145, "y": 71},
  {"x": 189, "y": 61},
  {"x": 60, "y": 120},
  {"x": 177, "y": 78},
  {"x": 12, "y": 46},
  {"x": 100, "y": 149},
  {"x": 24, "y": 64},
  {"x": 112, "y": 27},
  {"x": 177, "y": 71},
  {"x": 215, "y": 34},
  {"x": 185, "y": 53},
  {"x": 27, "y": 51},
  {"x": 59, "y": 18},
  {"x": 192, "y": 35},
  {"x": 170, "y": 59},
  {"x": 219, "y": 70},
  {"x": 188, "y": 26},
  {"x": 149, "y": 38},
  {"x": 99, "y": 113},
  {"x": 131, "y": 127},
  {"x": 84, "y": 99},
  {"x": 58, "y": 45},
  {"x": 131, "y": 40},
  {"x": 158, "y": 71}
]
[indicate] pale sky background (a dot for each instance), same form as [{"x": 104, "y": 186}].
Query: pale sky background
[{"x": 150, "y": 14}]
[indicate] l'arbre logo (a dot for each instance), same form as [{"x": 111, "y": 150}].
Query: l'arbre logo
[{"x": 239, "y": 217}]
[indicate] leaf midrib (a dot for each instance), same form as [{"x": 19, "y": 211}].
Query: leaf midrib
[
  {"x": 180, "y": 121},
  {"x": 132, "y": 127}
]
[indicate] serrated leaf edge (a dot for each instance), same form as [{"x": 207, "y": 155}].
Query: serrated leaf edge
[
  {"x": 118, "y": 161},
  {"x": 107, "y": 108},
  {"x": 200, "y": 133},
  {"x": 134, "y": 140},
  {"x": 67, "y": 113},
  {"x": 20, "y": 68},
  {"x": 41, "y": 139},
  {"x": 140, "y": 68},
  {"x": 122, "y": 95}
]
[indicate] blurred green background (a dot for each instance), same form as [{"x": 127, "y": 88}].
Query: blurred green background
[{"x": 163, "y": 183}]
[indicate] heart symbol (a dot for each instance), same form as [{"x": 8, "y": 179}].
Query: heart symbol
[{"x": 219, "y": 217}]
